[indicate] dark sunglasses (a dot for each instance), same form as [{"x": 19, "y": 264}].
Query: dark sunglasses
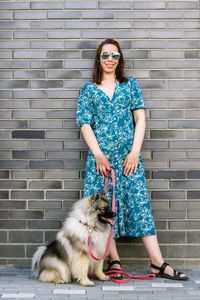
[{"x": 115, "y": 55}]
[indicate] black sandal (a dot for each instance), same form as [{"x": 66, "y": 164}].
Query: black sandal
[
  {"x": 176, "y": 276},
  {"x": 110, "y": 264}
]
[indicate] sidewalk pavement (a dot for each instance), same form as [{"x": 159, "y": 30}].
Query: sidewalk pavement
[{"x": 20, "y": 284}]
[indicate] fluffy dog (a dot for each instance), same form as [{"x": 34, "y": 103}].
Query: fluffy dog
[{"x": 67, "y": 258}]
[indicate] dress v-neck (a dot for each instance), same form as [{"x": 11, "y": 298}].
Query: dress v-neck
[{"x": 110, "y": 99}]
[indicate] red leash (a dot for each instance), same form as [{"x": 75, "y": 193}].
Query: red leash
[
  {"x": 111, "y": 231},
  {"x": 127, "y": 276}
]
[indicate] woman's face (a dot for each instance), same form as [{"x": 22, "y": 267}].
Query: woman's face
[{"x": 110, "y": 63}]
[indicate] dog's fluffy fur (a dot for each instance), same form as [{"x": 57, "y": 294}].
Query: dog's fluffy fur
[{"x": 67, "y": 258}]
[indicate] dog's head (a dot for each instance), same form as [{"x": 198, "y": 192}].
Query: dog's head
[{"x": 100, "y": 204}]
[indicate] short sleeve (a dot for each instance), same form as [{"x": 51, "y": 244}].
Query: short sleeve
[
  {"x": 137, "y": 101},
  {"x": 84, "y": 114}
]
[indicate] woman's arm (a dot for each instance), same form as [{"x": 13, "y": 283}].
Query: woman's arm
[
  {"x": 140, "y": 126},
  {"x": 102, "y": 163},
  {"x": 131, "y": 160}
]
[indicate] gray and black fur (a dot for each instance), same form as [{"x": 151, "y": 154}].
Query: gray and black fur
[{"x": 67, "y": 258}]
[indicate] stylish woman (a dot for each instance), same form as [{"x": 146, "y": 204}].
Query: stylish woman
[{"x": 112, "y": 119}]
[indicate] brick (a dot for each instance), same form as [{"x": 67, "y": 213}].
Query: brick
[
  {"x": 47, "y": 144},
  {"x": 46, "y": 164},
  {"x": 108, "y": 24},
  {"x": 193, "y": 237},
  {"x": 4, "y": 174},
  {"x": 169, "y": 154},
  {"x": 3, "y": 237},
  {"x": 45, "y": 124},
  {"x": 64, "y": 15},
  {"x": 24, "y": 114},
  {"x": 13, "y": 44},
  {"x": 13, "y": 224},
  {"x": 30, "y": 15},
  {"x": 182, "y": 5},
  {"x": 62, "y": 174},
  {"x": 5, "y": 154},
  {"x": 4, "y": 214},
  {"x": 63, "y": 74},
  {"x": 43, "y": 224},
  {"x": 14, "y": 5},
  {"x": 29, "y": 53},
  {"x": 63, "y": 154},
  {"x": 80, "y": 5},
  {"x": 29, "y": 74},
  {"x": 171, "y": 134},
  {"x": 30, "y": 35},
  {"x": 193, "y": 194},
  {"x": 12, "y": 251},
  {"x": 46, "y": 104},
  {"x": 14, "y": 164},
  {"x": 12, "y": 204},
  {"x": 193, "y": 174},
  {"x": 45, "y": 205},
  {"x": 46, "y": 84},
  {"x": 25, "y": 237},
  {"x": 165, "y": 174},
  {"x": 63, "y": 54},
  {"x": 44, "y": 184},
  {"x": 194, "y": 154},
  {"x": 24, "y": 214},
  {"x": 27, "y": 195},
  {"x": 187, "y": 184},
  {"x": 28, "y": 134},
  {"x": 46, "y": 24},
  {"x": 98, "y": 14},
  {"x": 28, "y": 174},
  {"x": 148, "y": 5},
  {"x": 46, "y": 44},
  {"x": 62, "y": 134},
  {"x": 168, "y": 214},
  {"x": 14, "y": 84},
  {"x": 29, "y": 154},
  {"x": 115, "y": 5},
  {"x": 62, "y": 195},
  {"x": 172, "y": 237},
  {"x": 184, "y": 144},
  {"x": 16, "y": 184},
  {"x": 168, "y": 195}
]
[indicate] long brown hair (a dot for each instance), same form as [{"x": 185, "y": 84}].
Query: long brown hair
[{"x": 97, "y": 69}]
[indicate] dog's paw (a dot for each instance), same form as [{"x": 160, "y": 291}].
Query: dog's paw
[
  {"x": 86, "y": 282},
  {"x": 59, "y": 281},
  {"x": 104, "y": 277}
]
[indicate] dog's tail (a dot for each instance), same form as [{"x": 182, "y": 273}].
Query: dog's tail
[{"x": 36, "y": 260}]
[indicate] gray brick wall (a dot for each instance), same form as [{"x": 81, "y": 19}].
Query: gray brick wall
[{"x": 47, "y": 49}]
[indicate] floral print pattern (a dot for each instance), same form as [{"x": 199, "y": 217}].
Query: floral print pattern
[{"x": 113, "y": 124}]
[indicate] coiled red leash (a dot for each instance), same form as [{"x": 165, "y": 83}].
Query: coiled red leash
[{"x": 127, "y": 276}]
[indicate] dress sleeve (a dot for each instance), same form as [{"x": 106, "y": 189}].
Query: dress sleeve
[
  {"x": 137, "y": 101},
  {"x": 84, "y": 114}
]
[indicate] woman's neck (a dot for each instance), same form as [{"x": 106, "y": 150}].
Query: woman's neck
[{"x": 109, "y": 77}]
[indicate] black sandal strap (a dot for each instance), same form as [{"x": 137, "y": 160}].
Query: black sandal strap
[
  {"x": 161, "y": 269},
  {"x": 113, "y": 262}
]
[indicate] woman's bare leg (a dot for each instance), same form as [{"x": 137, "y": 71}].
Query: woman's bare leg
[{"x": 154, "y": 252}]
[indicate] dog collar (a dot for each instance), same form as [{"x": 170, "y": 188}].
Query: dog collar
[{"x": 89, "y": 227}]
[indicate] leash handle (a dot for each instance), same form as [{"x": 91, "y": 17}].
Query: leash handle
[{"x": 112, "y": 171}]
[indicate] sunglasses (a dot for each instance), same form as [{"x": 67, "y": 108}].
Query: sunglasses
[{"x": 115, "y": 55}]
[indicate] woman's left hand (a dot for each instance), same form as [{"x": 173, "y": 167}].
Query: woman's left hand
[{"x": 131, "y": 163}]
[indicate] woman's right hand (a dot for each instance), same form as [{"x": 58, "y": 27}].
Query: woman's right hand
[{"x": 102, "y": 164}]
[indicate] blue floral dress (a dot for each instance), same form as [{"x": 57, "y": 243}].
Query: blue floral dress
[{"x": 113, "y": 124}]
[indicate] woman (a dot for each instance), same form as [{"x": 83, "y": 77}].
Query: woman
[{"x": 112, "y": 119}]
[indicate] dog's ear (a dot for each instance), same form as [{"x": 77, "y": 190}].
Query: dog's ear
[{"x": 95, "y": 197}]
